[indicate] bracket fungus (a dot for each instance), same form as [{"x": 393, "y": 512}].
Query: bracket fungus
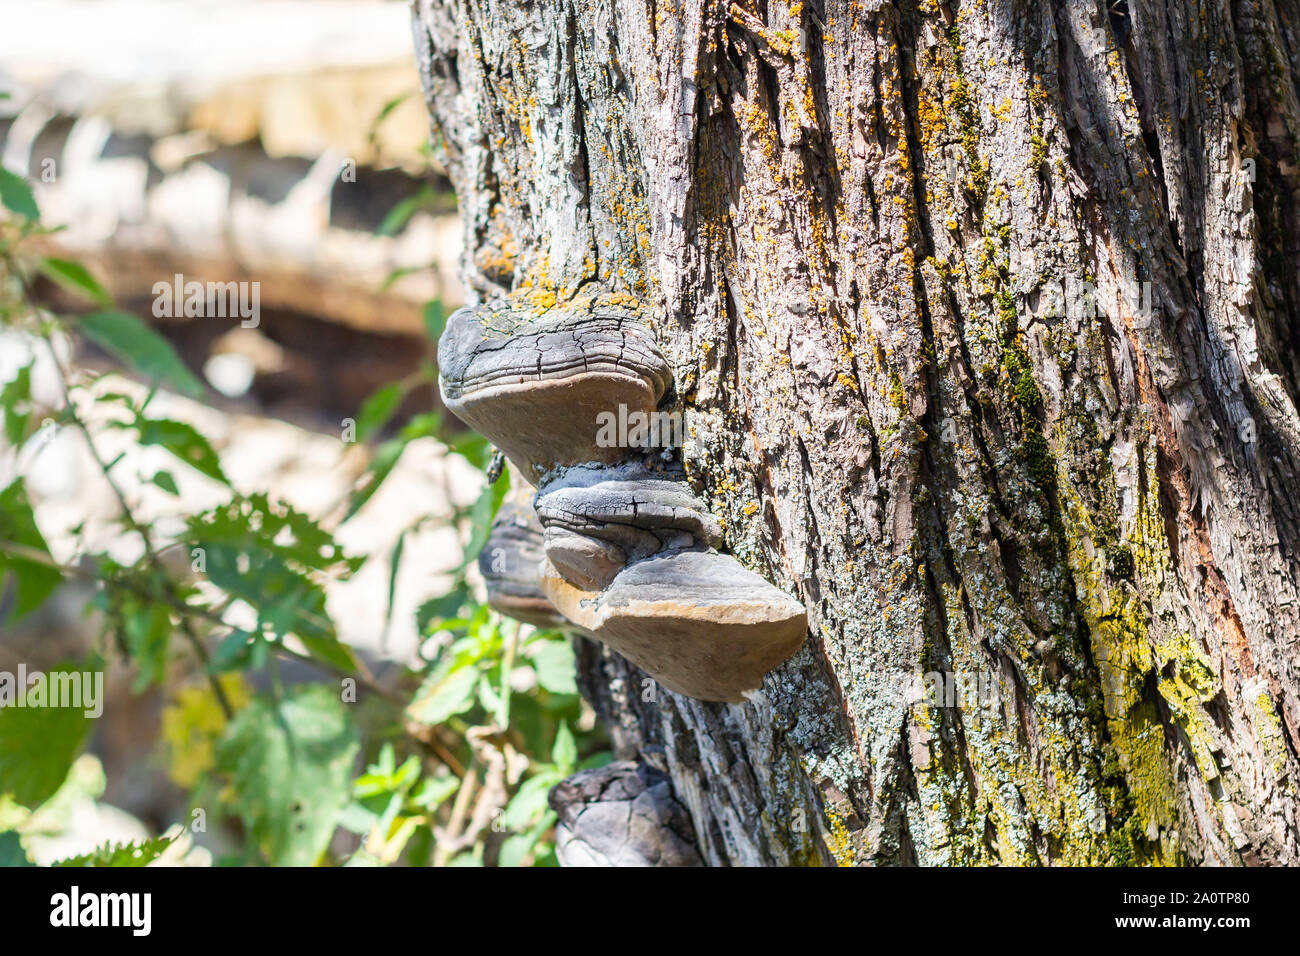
[
  {"x": 597, "y": 520},
  {"x": 534, "y": 386},
  {"x": 622, "y": 814},
  {"x": 509, "y": 563},
  {"x": 696, "y": 621},
  {"x": 625, "y": 552}
]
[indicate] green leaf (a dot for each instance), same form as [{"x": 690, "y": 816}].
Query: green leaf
[
  {"x": 122, "y": 855},
  {"x": 555, "y": 665},
  {"x": 442, "y": 608},
  {"x": 448, "y": 691},
  {"x": 185, "y": 442},
  {"x": 140, "y": 347},
  {"x": 381, "y": 466},
  {"x": 564, "y": 752},
  {"x": 264, "y": 555},
  {"x": 165, "y": 481},
  {"x": 17, "y": 196},
  {"x": 399, "y": 273},
  {"x": 378, "y": 409},
  {"x": 488, "y": 697},
  {"x": 387, "y": 108},
  {"x": 147, "y": 629},
  {"x": 76, "y": 278},
  {"x": 401, "y": 214},
  {"x": 599, "y": 759},
  {"x": 435, "y": 319},
  {"x": 481, "y": 515},
  {"x": 515, "y": 848},
  {"x": 474, "y": 448},
  {"x": 434, "y": 791},
  {"x": 290, "y": 764},
  {"x": 11, "y": 850},
  {"x": 231, "y": 652},
  {"x": 530, "y": 802},
  {"x": 387, "y": 456},
  {"x": 16, "y": 400},
  {"x": 38, "y": 743},
  {"x": 34, "y": 581},
  {"x": 394, "y": 565}
]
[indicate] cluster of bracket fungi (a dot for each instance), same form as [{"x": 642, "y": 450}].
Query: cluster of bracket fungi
[{"x": 613, "y": 542}]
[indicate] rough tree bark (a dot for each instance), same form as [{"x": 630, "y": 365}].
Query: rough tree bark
[{"x": 847, "y": 222}]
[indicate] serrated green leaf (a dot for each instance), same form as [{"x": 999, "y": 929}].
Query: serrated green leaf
[
  {"x": 121, "y": 855},
  {"x": 33, "y": 580},
  {"x": 138, "y": 346},
  {"x": 76, "y": 278},
  {"x": 17, "y": 196},
  {"x": 264, "y": 555},
  {"x": 290, "y": 764}
]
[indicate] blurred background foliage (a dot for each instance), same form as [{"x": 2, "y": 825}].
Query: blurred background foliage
[{"x": 263, "y": 535}]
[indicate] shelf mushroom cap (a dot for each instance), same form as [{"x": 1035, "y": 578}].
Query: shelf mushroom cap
[
  {"x": 535, "y": 387},
  {"x": 509, "y": 564},
  {"x": 696, "y": 621},
  {"x": 599, "y": 519}
]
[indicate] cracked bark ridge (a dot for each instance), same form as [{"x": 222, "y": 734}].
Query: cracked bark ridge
[{"x": 622, "y": 814}]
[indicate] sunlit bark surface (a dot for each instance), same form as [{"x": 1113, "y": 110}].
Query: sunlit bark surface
[{"x": 984, "y": 318}]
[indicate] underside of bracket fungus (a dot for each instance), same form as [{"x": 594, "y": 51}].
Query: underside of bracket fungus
[{"x": 625, "y": 552}]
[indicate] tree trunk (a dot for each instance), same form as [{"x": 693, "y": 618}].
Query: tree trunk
[{"x": 985, "y": 321}]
